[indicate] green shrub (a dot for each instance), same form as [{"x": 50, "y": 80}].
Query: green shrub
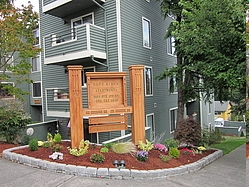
[
  {"x": 169, "y": 143},
  {"x": 147, "y": 146},
  {"x": 109, "y": 145},
  {"x": 81, "y": 150},
  {"x": 13, "y": 119},
  {"x": 49, "y": 137},
  {"x": 188, "y": 132},
  {"x": 212, "y": 137},
  {"x": 56, "y": 148},
  {"x": 25, "y": 140},
  {"x": 174, "y": 152},
  {"x": 165, "y": 158},
  {"x": 57, "y": 138},
  {"x": 124, "y": 147},
  {"x": 33, "y": 145},
  {"x": 104, "y": 150},
  {"x": 97, "y": 158},
  {"x": 47, "y": 144}
]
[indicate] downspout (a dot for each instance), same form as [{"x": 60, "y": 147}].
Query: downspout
[{"x": 106, "y": 43}]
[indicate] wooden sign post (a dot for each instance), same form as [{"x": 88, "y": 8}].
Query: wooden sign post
[{"x": 75, "y": 96}]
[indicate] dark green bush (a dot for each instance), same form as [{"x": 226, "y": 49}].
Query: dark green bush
[
  {"x": 212, "y": 137},
  {"x": 33, "y": 144},
  {"x": 25, "y": 140},
  {"x": 97, "y": 158},
  {"x": 47, "y": 144},
  {"x": 188, "y": 132},
  {"x": 108, "y": 145},
  {"x": 56, "y": 148},
  {"x": 169, "y": 143}
]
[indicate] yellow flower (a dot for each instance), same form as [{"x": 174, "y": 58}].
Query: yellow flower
[
  {"x": 40, "y": 143},
  {"x": 201, "y": 148}
]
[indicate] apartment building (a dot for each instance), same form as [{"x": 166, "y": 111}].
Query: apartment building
[{"x": 106, "y": 36}]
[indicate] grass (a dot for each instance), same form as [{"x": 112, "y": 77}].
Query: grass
[{"x": 229, "y": 144}]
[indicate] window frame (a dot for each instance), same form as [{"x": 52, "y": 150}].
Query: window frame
[
  {"x": 172, "y": 129},
  {"x": 33, "y": 95},
  {"x": 83, "y": 75},
  {"x": 38, "y": 64},
  {"x": 35, "y": 31},
  {"x": 153, "y": 126},
  {"x": 171, "y": 48},
  {"x": 145, "y": 81},
  {"x": 149, "y": 34},
  {"x": 175, "y": 85},
  {"x": 13, "y": 96},
  {"x": 80, "y": 17}
]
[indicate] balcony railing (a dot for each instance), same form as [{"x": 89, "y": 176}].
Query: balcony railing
[{"x": 81, "y": 42}]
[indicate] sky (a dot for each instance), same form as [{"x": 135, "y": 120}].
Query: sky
[{"x": 35, "y": 3}]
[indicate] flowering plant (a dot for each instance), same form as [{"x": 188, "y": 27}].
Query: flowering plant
[
  {"x": 142, "y": 156},
  {"x": 160, "y": 147},
  {"x": 188, "y": 151}
]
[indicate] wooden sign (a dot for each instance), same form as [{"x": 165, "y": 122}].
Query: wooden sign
[
  {"x": 108, "y": 119},
  {"x": 36, "y": 101},
  {"x": 107, "y": 127},
  {"x": 106, "y": 89},
  {"x": 91, "y": 112}
]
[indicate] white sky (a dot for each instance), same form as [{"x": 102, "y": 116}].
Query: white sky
[{"x": 35, "y": 3}]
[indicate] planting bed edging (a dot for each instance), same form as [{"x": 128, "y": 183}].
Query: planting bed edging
[{"x": 111, "y": 173}]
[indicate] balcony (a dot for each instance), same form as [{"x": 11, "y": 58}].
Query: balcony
[
  {"x": 65, "y": 8},
  {"x": 75, "y": 46}
]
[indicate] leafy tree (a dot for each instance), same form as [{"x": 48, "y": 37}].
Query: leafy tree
[
  {"x": 16, "y": 45},
  {"x": 210, "y": 43}
]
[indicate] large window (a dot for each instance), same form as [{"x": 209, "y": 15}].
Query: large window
[
  {"x": 82, "y": 20},
  {"x": 4, "y": 87},
  {"x": 146, "y": 33},
  {"x": 173, "y": 119},
  {"x": 150, "y": 123},
  {"x": 148, "y": 81},
  {"x": 173, "y": 84},
  {"x": 83, "y": 75},
  {"x": 171, "y": 45},
  {"x": 37, "y": 89},
  {"x": 36, "y": 64}
]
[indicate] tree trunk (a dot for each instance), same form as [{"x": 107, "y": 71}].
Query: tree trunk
[{"x": 180, "y": 103}]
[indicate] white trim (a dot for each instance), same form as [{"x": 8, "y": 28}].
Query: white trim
[
  {"x": 33, "y": 89},
  {"x": 175, "y": 108},
  {"x": 73, "y": 56},
  {"x": 88, "y": 41},
  {"x": 151, "y": 81},
  {"x": 54, "y": 4},
  {"x": 85, "y": 15},
  {"x": 119, "y": 41},
  {"x": 150, "y": 39},
  {"x": 153, "y": 128},
  {"x": 38, "y": 63}
]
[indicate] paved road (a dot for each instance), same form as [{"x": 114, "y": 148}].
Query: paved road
[{"x": 227, "y": 171}]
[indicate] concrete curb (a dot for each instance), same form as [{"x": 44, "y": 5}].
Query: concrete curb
[{"x": 111, "y": 173}]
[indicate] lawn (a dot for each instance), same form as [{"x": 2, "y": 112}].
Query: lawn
[{"x": 230, "y": 143}]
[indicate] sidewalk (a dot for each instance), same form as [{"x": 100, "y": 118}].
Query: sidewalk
[{"x": 229, "y": 171}]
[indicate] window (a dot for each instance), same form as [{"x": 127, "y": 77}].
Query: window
[
  {"x": 173, "y": 84},
  {"x": 146, "y": 33},
  {"x": 150, "y": 123},
  {"x": 173, "y": 119},
  {"x": 36, "y": 36},
  {"x": 36, "y": 89},
  {"x": 83, "y": 75},
  {"x": 6, "y": 61},
  {"x": 148, "y": 81},
  {"x": 36, "y": 64},
  {"x": 171, "y": 45},
  {"x": 82, "y": 20},
  {"x": 4, "y": 87}
]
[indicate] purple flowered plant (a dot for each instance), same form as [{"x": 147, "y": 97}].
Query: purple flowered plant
[
  {"x": 160, "y": 147},
  {"x": 142, "y": 155}
]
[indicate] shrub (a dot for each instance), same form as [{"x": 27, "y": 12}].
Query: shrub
[
  {"x": 124, "y": 147},
  {"x": 160, "y": 147},
  {"x": 57, "y": 138},
  {"x": 212, "y": 137},
  {"x": 56, "y": 148},
  {"x": 165, "y": 158},
  {"x": 25, "y": 140},
  {"x": 33, "y": 145},
  {"x": 188, "y": 132},
  {"x": 13, "y": 119},
  {"x": 81, "y": 150},
  {"x": 109, "y": 145},
  {"x": 174, "y": 152},
  {"x": 49, "y": 137},
  {"x": 169, "y": 143},
  {"x": 104, "y": 150},
  {"x": 46, "y": 144},
  {"x": 97, "y": 158},
  {"x": 142, "y": 156},
  {"x": 145, "y": 146}
]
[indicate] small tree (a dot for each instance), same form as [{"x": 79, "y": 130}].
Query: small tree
[
  {"x": 13, "y": 119},
  {"x": 188, "y": 131}
]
